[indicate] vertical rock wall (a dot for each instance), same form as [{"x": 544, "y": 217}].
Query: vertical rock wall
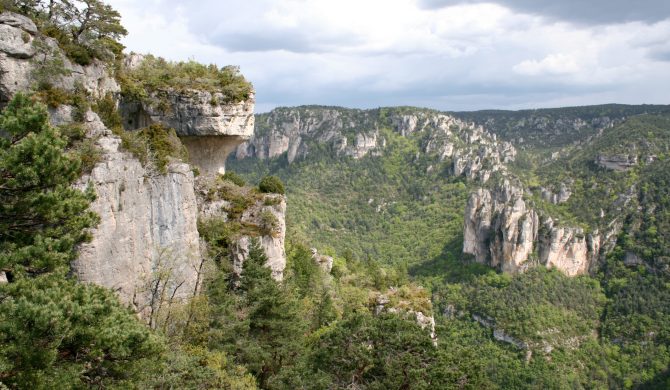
[
  {"x": 147, "y": 237},
  {"x": 501, "y": 230}
]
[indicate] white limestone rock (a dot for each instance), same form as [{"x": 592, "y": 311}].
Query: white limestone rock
[
  {"x": 19, "y": 59},
  {"x": 208, "y": 128},
  {"x": 147, "y": 226}
]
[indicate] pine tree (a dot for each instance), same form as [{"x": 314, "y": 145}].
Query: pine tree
[
  {"x": 274, "y": 327},
  {"x": 56, "y": 334},
  {"x": 42, "y": 217}
]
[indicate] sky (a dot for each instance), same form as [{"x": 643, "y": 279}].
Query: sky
[{"x": 451, "y": 55}]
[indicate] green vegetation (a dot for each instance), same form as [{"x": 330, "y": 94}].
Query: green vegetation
[
  {"x": 54, "y": 333},
  {"x": 42, "y": 217},
  {"x": 155, "y": 74},
  {"x": 84, "y": 29},
  {"x": 155, "y": 145},
  {"x": 386, "y": 209},
  {"x": 601, "y": 331},
  {"x": 271, "y": 184},
  {"x": 234, "y": 178},
  {"x": 553, "y": 129}
]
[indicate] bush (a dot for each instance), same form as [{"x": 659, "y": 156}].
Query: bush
[
  {"x": 154, "y": 144},
  {"x": 234, "y": 178},
  {"x": 155, "y": 74},
  {"x": 109, "y": 115},
  {"x": 271, "y": 184},
  {"x": 269, "y": 223}
]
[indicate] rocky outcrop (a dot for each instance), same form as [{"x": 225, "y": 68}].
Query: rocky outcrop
[
  {"x": 271, "y": 240},
  {"x": 263, "y": 219},
  {"x": 209, "y": 128},
  {"x": 209, "y": 131},
  {"x": 555, "y": 197},
  {"x": 501, "y": 230},
  {"x": 24, "y": 53},
  {"x": 324, "y": 262},
  {"x": 389, "y": 303},
  {"x": 617, "y": 162},
  {"x": 474, "y": 153},
  {"x": 147, "y": 242},
  {"x": 568, "y": 249},
  {"x": 297, "y": 132},
  {"x": 146, "y": 246}
]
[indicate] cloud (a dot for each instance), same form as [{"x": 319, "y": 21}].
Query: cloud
[
  {"x": 578, "y": 11},
  {"x": 395, "y": 52},
  {"x": 553, "y": 64}
]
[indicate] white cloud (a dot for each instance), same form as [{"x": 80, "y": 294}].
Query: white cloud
[
  {"x": 553, "y": 64},
  {"x": 391, "y": 52}
]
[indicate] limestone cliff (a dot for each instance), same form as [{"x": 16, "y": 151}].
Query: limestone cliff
[
  {"x": 147, "y": 245},
  {"x": 24, "y": 53},
  {"x": 351, "y": 133},
  {"x": 301, "y": 131},
  {"x": 147, "y": 242},
  {"x": 209, "y": 129},
  {"x": 251, "y": 215},
  {"x": 503, "y": 231}
]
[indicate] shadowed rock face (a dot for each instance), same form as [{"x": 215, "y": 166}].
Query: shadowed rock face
[{"x": 209, "y": 152}]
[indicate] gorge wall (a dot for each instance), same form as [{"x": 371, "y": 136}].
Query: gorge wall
[
  {"x": 147, "y": 241},
  {"x": 503, "y": 226},
  {"x": 209, "y": 129},
  {"x": 503, "y": 231}
]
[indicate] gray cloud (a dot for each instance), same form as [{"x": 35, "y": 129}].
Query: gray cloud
[
  {"x": 578, "y": 11},
  {"x": 289, "y": 40},
  {"x": 660, "y": 55},
  {"x": 475, "y": 59}
]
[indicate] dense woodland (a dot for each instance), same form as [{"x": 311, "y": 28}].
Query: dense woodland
[
  {"x": 316, "y": 330},
  {"x": 603, "y": 331}
]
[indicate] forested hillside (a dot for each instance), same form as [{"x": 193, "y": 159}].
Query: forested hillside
[{"x": 400, "y": 205}]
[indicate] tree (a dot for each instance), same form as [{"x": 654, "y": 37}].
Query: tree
[
  {"x": 259, "y": 322},
  {"x": 85, "y": 29},
  {"x": 42, "y": 217},
  {"x": 56, "y": 333},
  {"x": 375, "y": 352}
]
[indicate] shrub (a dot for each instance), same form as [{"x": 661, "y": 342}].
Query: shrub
[
  {"x": 155, "y": 74},
  {"x": 88, "y": 153},
  {"x": 53, "y": 96},
  {"x": 234, "y": 178},
  {"x": 109, "y": 115},
  {"x": 155, "y": 145},
  {"x": 271, "y": 184},
  {"x": 269, "y": 223}
]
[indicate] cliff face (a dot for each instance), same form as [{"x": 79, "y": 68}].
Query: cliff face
[
  {"x": 302, "y": 131},
  {"x": 263, "y": 218},
  {"x": 474, "y": 153},
  {"x": 501, "y": 230},
  {"x": 23, "y": 52},
  {"x": 147, "y": 242},
  {"x": 147, "y": 245},
  {"x": 210, "y": 130},
  {"x": 351, "y": 133}
]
